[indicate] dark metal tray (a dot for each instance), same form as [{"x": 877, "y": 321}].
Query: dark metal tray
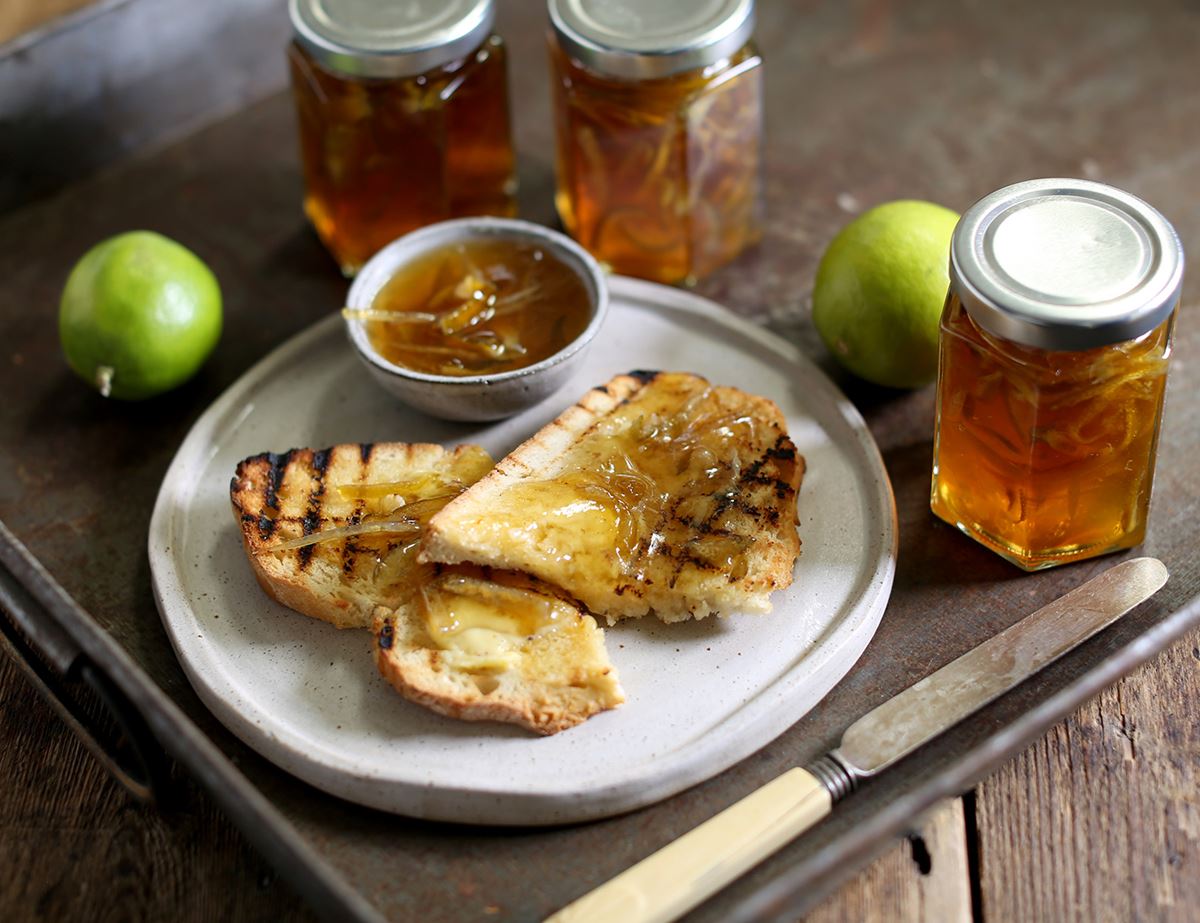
[{"x": 82, "y": 473}]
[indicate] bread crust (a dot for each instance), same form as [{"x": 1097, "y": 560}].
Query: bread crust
[{"x": 766, "y": 490}]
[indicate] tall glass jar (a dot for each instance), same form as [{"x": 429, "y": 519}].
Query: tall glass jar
[
  {"x": 659, "y": 119},
  {"x": 403, "y": 116},
  {"x": 1055, "y": 341}
]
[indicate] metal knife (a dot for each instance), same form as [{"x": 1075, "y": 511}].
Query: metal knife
[{"x": 670, "y": 882}]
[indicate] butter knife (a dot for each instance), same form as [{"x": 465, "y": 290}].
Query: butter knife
[{"x": 670, "y": 882}]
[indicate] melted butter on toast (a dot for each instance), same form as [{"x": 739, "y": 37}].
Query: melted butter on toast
[{"x": 484, "y": 625}]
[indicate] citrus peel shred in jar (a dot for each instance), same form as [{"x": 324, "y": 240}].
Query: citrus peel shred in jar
[
  {"x": 403, "y": 117},
  {"x": 1055, "y": 341},
  {"x": 659, "y": 124}
]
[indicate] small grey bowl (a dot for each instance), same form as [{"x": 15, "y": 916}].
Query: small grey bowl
[{"x": 475, "y": 397}]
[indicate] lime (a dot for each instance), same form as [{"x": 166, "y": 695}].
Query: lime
[
  {"x": 139, "y": 315},
  {"x": 880, "y": 289}
]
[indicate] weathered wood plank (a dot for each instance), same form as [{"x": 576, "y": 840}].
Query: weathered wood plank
[
  {"x": 1100, "y": 820},
  {"x": 74, "y": 846},
  {"x": 924, "y": 879}
]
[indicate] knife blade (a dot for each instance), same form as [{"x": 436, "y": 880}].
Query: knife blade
[{"x": 670, "y": 882}]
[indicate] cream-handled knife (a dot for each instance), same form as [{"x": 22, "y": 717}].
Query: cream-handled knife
[{"x": 670, "y": 882}]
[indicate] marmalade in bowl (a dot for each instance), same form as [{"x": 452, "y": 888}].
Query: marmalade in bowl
[{"x": 478, "y": 307}]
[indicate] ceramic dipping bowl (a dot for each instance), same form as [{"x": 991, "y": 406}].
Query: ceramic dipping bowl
[{"x": 475, "y": 397}]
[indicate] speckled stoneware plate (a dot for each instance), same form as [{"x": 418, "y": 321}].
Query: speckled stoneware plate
[{"x": 702, "y": 695}]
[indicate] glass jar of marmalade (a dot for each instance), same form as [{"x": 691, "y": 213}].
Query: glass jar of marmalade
[
  {"x": 659, "y": 118},
  {"x": 1054, "y": 349},
  {"x": 403, "y": 114}
]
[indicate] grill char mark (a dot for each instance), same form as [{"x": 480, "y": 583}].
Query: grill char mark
[
  {"x": 312, "y": 517},
  {"x": 348, "y": 557},
  {"x": 275, "y": 468},
  {"x": 782, "y": 450},
  {"x": 351, "y": 550},
  {"x": 276, "y": 465}
]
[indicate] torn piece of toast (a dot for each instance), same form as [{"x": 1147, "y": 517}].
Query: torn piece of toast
[
  {"x": 655, "y": 493},
  {"x": 279, "y": 500},
  {"x": 480, "y": 645}
]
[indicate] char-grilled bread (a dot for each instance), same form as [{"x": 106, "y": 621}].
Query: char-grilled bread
[
  {"x": 481, "y": 645},
  {"x": 333, "y": 533},
  {"x": 657, "y": 492}
]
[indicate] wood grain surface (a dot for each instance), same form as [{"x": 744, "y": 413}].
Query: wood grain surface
[
  {"x": 923, "y": 878},
  {"x": 1100, "y": 821}
]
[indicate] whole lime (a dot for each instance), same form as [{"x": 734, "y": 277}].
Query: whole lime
[
  {"x": 880, "y": 289},
  {"x": 139, "y": 315}
]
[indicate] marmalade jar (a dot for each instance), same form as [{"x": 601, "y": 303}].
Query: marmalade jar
[
  {"x": 659, "y": 124},
  {"x": 403, "y": 117},
  {"x": 1055, "y": 341}
]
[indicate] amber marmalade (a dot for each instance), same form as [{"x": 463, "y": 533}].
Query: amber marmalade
[
  {"x": 1047, "y": 455},
  {"x": 382, "y": 156},
  {"x": 478, "y": 307},
  {"x": 1055, "y": 341},
  {"x": 660, "y": 178}
]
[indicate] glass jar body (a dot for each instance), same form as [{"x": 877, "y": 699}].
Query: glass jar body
[
  {"x": 661, "y": 178},
  {"x": 1046, "y": 456},
  {"x": 382, "y": 156}
]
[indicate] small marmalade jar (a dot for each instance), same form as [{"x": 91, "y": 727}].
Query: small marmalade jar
[
  {"x": 403, "y": 116},
  {"x": 659, "y": 123},
  {"x": 1055, "y": 341}
]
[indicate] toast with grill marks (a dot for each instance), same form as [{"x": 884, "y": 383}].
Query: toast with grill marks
[
  {"x": 539, "y": 662},
  {"x": 461, "y": 641},
  {"x": 277, "y": 498},
  {"x": 657, "y": 492}
]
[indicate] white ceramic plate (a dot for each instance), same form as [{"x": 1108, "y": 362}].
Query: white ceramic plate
[{"x": 702, "y": 695}]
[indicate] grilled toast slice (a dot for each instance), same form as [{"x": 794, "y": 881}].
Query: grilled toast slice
[
  {"x": 480, "y": 645},
  {"x": 280, "y": 499},
  {"x": 657, "y": 492}
]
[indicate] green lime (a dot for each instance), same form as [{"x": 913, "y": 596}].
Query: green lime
[
  {"x": 880, "y": 289},
  {"x": 139, "y": 315}
]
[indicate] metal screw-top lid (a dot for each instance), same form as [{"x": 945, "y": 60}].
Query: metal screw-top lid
[
  {"x": 1065, "y": 264},
  {"x": 383, "y": 38},
  {"x": 639, "y": 39}
]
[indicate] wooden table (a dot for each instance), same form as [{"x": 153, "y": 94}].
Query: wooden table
[{"x": 1098, "y": 821}]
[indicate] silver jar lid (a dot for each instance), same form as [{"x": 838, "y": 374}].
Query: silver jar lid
[
  {"x": 641, "y": 39},
  {"x": 1065, "y": 264},
  {"x": 383, "y": 38}
]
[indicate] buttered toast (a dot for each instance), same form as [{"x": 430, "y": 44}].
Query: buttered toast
[
  {"x": 333, "y": 534},
  {"x": 280, "y": 500},
  {"x": 657, "y": 492},
  {"x": 478, "y": 645}
]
